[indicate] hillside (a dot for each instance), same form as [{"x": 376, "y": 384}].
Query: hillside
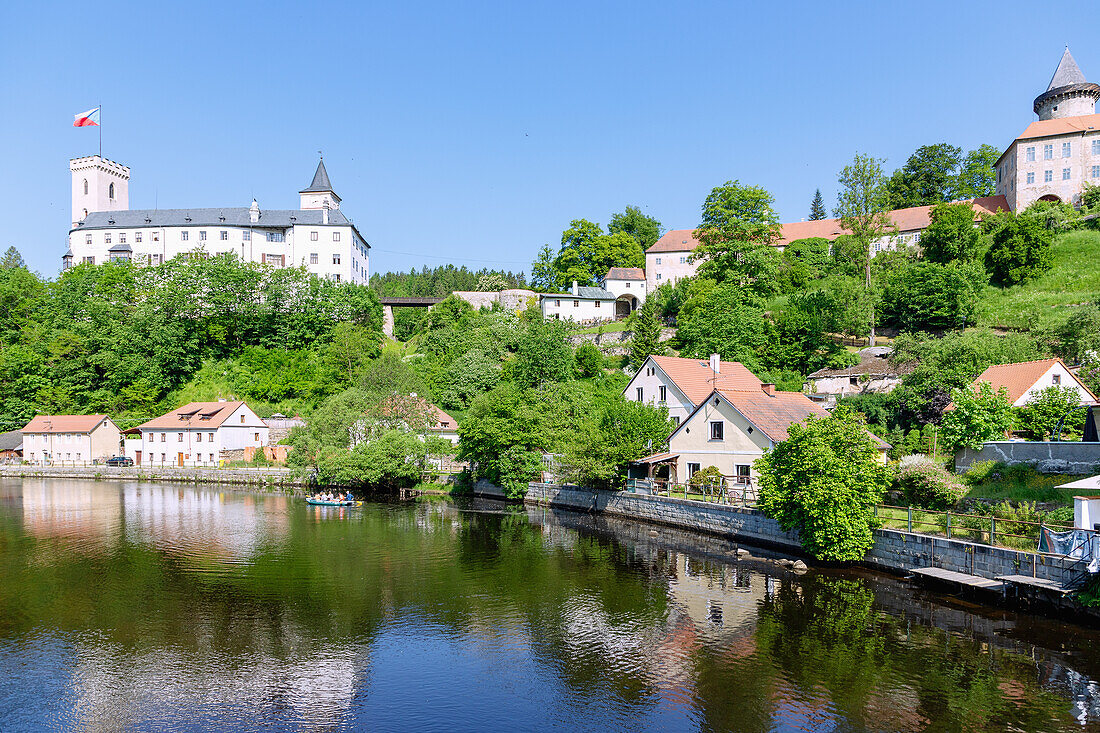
[{"x": 1073, "y": 280}]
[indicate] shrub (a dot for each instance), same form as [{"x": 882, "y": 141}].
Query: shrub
[
  {"x": 589, "y": 360},
  {"x": 259, "y": 458},
  {"x": 981, "y": 472},
  {"x": 929, "y": 486},
  {"x": 709, "y": 476}
]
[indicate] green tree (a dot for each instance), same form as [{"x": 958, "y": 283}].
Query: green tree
[
  {"x": 817, "y": 207},
  {"x": 977, "y": 416},
  {"x": 803, "y": 261},
  {"x": 626, "y": 431},
  {"x": 928, "y": 177},
  {"x": 543, "y": 356},
  {"x": 646, "y": 338},
  {"x": 930, "y": 296},
  {"x": 1020, "y": 248},
  {"x": 544, "y": 278},
  {"x": 977, "y": 175},
  {"x": 1052, "y": 409},
  {"x": 739, "y": 226},
  {"x": 1077, "y": 338},
  {"x": 722, "y": 320},
  {"x": 350, "y": 347},
  {"x": 644, "y": 228},
  {"x": 491, "y": 282},
  {"x": 861, "y": 207},
  {"x": 951, "y": 235},
  {"x": 589, "y": 360},
  {"x": 12, "y": 259},
  {"x": 504, "y": 436},
  {"x": 824, "y": 482}
]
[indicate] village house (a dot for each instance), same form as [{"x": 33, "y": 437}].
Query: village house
[
  {"x": 681, "y": 384},
  {"x": 72, "y": 439},
  {"x": 1024, "y": 380},
  {"x": 409, "y": 412},
  {"x": 628, "y": 286},
  {"x": 200, "y": 434},
  {"x": 580, "y": 304},
  {"x": 11, "y": 447},
  {"x": 874, "y": 374}
]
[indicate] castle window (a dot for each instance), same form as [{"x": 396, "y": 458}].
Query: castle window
[
  {"x": 1031, "y": 177},
  {"x": 336, "y": 259},
  {"x": 122, "y": 237},
  {"x": 274, "y": 236},
  {"x": 658, "y": 276},
  {"x": 87, "y": 239},
  {"x": 223, "y": 235},
  {"x": 111, "y": 192},
  {"x": 246, "y": 236},
  {"x": 156, "y": 236},
  {"x": 658, "y": 260},
  {"x": 336, "y": 236},
  {"x": 1048, "y": 152},
  {"x": 1065, "y": 174},
  {"x": 683, "y": 260},
  {"x": 137, "y": 237},
  {"x": 313, "y": 258},
  {"x": 1096, "y": 171},
  {"x": 313, "y": 236},
  {"x": 1066, "y": 148},
  {"x": 90, "y": 260},
  {"x": 85, "y": 186},
  {"x": 1048, "y": 176},
  {"x": 202, "y": 236},
  {"x": 1031, "y": 154},
  {"x": 183, "y": 235},
  {"x": 336, "y": 278},
  {"x": 1096, "y": 147},
  {"x": 107, "y": 238}
]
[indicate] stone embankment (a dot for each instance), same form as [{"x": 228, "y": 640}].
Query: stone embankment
[
  {"x": 614, "y": 343},
  {"x": 893, "y": 551},
  {"x": 277, "y": 477}
]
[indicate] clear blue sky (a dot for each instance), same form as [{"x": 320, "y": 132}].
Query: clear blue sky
[{"x": 473, "y": 132}]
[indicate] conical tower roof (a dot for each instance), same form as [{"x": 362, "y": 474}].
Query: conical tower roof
[
  {"x": 320, "y": 180},
  {"x": 1068, "y": 72}
]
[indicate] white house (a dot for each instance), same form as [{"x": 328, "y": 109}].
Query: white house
[
  {"x": 199, "y": 434},
  {"x": 316, "y": 236},
  {"x": 72, "y": 439},
  {"x": 874, "y": 374},
  {"x": 408, "y": 412},
  {"x": 1024, "y": 380},
  {"x": 627, "y": 284},
  {"x": 580, "y": 304},
  {"x": 681, "y": 384}
]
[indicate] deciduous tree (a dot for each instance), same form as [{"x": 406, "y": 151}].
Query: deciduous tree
[{"x": 977, "y": 416}]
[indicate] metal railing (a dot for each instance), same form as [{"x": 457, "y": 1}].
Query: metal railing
[
  {"x": 736, "y": 491},
  {"x": 1016, "y": 534}
]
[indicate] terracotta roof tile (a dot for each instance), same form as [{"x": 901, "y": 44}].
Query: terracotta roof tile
[
  {"x": 1061, "y": 126},
  {"x": 773, "y": 414},
  {"x": 625, "y": 273},
  {"x": 676, "y": 240},
  {"x": 195, "y": 414},
  {"x": 1020, "y": 377},
  {"x": 64, "y": 423},
  {"x": 405, "y": 407},
  {"x": 694, "y": 378}
]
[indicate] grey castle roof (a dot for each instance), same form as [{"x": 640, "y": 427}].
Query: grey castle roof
[
  {"x": 586, "y": 292},
  {"x": 233, "y": 217},
  {"x": 320, "y": 180},
  {"x": 1067, "y": 73}
]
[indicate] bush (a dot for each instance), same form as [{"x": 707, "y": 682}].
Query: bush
[
  {"x": 709, "y": 476},
  {"x": 259, "y": 458},
  {"x": 981, "y": 472},
  {"x": 589, "y": 360},
  {"x": 929, "y": 486}
]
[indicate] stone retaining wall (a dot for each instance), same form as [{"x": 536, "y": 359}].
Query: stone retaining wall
[
  {"x": 893, "y": 551},
  {"x": 1069, "y": 457},
  {"x": 252, "y": 476}
]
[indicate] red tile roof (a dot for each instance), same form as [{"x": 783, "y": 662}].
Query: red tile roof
[
  {"x": 196, "y": 414},
  {"x": 1061, "y": 126},
  {"x": 773, "y": 414},
  {"x": 625, "y": 273},
  {"x": 694, "y": 378},
  {"x": 676, "y": 240},
  {"x": 1020, "y": 377},
  {"x": 406, "y": 407},
  {"x": 64, "y": 423}
]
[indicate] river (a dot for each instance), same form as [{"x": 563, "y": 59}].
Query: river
[{"x": 135, "y": 606}]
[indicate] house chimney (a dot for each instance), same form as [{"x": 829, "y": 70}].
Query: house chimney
[
  {"x": 575, "y": 288},
  {"x": 716, "y": 363},
  {"x": 769, "y": 388}
]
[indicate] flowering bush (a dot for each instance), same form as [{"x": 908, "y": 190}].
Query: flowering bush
[{"x": 929, "y": 486}]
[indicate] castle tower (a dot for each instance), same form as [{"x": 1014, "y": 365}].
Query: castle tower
[
  {"x": 1068, "y": 95},
  {"x": 319, "y": 194},
  {"x": 98, "y": 185}
]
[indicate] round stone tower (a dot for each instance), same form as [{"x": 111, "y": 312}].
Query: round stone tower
[{"x": 1068, "y": 95}]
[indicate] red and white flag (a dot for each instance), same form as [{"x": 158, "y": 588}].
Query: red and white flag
[{"x": 87, "y": 119}]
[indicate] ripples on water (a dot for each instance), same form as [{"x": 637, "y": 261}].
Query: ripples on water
[{"x": 154, "y": 607}]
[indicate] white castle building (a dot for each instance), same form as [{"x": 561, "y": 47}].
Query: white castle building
[
  {"x": 1057, "y": 154},
  {"x": 317, "y": 235}
]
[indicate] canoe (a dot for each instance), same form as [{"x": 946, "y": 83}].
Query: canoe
[{"x": 315, "y": 502}]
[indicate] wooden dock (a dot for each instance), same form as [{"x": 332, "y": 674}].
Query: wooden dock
[
  {"x": 1030, "y": 583},
  {"x": 964, "y": 580}
]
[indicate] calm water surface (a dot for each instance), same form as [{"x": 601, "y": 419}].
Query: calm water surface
[{"x": 154, "y": 607}]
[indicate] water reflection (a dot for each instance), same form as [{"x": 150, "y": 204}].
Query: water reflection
[{"x": 158, "y": 607}]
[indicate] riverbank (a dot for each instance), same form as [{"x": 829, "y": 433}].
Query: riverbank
[
  {"x": 271, "y": 478},
  {"x": 1036, "y": 576}
]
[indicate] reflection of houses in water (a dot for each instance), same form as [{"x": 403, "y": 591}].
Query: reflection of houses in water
[{"x": 188, "y": 521}]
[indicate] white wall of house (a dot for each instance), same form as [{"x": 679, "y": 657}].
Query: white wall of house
[
  {"x": 575, "y": 308},
  {"x": 199, "y": 445},
  {"x": 1058, "y": 376},
  {"x": 98, "y": 445},
  {"x": 1023, "y": 169},
  {"x": 653, "y": 387},
  {"x": 634, "y": 288},
  {"x": 740, "y": 445},
  {"x": 665, "y": 267}
]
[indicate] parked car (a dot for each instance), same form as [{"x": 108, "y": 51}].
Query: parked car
[{"x": 123, "y": 461}]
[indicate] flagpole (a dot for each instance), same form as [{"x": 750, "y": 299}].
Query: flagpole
[{"x": 101, "y": 131}]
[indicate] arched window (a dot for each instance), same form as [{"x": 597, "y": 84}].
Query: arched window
[
  {"x": 85, "y": 186},
  {"x": 111, "y": 192}
]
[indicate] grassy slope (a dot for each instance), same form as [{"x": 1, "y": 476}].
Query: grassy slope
[{"x": 1073, "y": 280}]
